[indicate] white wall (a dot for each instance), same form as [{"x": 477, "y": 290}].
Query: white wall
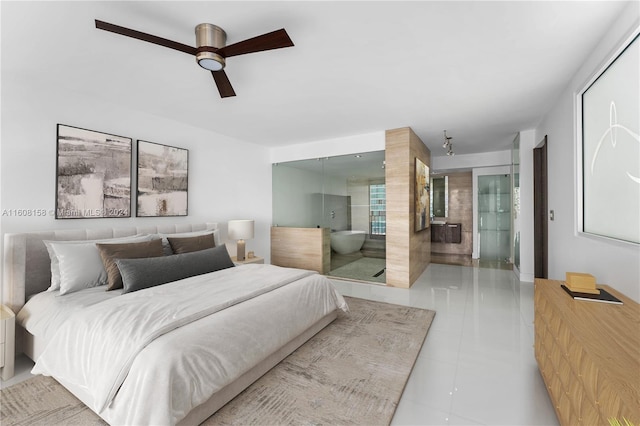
[
  {"x": 367, "y": 142},
  {"x": 528, "y": 141},
  {"x": 469, "y": 161},
  {"x": 228, "y": 178},
  {"x": 614, "y": 263}
]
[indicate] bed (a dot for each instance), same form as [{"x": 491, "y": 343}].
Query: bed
[{"x": 168, "y": 354}]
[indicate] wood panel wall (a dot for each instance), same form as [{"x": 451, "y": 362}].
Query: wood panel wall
[
  {"x": 460, "y": 211},
  {"x": 304, "y": 248},
  {"x": 408, "y": 252}
]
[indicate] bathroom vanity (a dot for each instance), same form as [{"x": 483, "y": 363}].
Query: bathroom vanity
[{"x": 446, "y": 233}]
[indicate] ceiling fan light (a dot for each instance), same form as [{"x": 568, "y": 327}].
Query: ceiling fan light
[
  {"x": 210, "y": 36},
  {"x": 210, "y": 61}
]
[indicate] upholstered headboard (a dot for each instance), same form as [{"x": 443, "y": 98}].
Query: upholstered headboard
[{"x": 27, "y": 267}]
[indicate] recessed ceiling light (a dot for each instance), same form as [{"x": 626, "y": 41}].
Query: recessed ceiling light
[{"x": 358, "y": 156}]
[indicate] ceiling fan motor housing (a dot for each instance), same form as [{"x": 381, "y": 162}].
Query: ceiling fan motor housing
[{"x": 207, "y": 36}]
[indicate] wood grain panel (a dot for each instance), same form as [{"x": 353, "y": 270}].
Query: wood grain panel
[
  {"x": 408, "y": 252},
  {"x": 305, "y": 248},
  {"x": 588, "y": 354}
]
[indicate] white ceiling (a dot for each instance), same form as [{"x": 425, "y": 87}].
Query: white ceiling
[{"x": 481, "y": 70}]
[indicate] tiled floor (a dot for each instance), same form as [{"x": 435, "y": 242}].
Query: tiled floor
[
  {"x": 477, "y": 365},
  {"x": 466, "y": 260}
]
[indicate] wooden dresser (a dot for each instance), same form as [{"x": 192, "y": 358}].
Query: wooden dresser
[{"x": 589, "y": 355}]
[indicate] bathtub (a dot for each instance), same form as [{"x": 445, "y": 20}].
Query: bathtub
[{"x": 345, "y": 242}]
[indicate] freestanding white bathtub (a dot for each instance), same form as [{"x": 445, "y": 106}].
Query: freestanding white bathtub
[{"x": 345, "y": 242}]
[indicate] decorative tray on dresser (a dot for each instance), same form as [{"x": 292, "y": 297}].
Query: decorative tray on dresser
[{"x": 589, "y": 355}]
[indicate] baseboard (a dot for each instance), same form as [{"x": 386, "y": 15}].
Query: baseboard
[{"x": 527, "y": 277}]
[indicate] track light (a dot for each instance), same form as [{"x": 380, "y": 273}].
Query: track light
[
  {"x": 447, "y": 140},
  {"x": 448, "y": 145}
]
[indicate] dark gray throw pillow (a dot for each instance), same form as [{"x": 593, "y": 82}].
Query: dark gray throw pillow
[
  {"x": 188, "y": 244},
  {"x": 138, "y": 274}
]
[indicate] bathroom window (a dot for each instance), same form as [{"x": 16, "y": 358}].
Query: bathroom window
[{"x": 377, "y": 210}]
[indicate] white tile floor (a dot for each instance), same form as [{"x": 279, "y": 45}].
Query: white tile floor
[{"x": 477, "y": 365}]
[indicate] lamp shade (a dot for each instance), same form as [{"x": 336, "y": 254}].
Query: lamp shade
[{"x": 240, "y": 229}]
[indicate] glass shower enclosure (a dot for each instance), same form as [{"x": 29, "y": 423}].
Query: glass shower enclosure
[
  {"x": 494, "y": 217},
  {"x": 344, "y": 195}
]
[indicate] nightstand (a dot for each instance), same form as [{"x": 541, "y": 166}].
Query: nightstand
[
  {"x": 7, "y": 342},
  {"x": 246, "y": 261}
]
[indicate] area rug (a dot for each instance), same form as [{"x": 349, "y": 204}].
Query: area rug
[
  {"x": 352, "y": 372},
  {"x": 364, "y": 269}
]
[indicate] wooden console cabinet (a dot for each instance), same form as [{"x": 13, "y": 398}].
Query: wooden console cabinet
[{"x": 588, "y": 354}]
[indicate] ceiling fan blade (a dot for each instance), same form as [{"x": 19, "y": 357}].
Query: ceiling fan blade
[
  {"x": 145, "y": 37},
  {"x": 223, "y": 83},
  {"x": 273, "y": 40}
]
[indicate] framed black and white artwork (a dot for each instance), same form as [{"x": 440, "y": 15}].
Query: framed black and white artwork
[
  {"x": 163, "y": 180},
  {"x": 609, "y": 138},
  {"x": 93, "y": 174}
]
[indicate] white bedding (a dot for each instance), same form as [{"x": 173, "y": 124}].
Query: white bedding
[
  {"x": 135, "y": 345},
  {"x": 45, "y": 312}
]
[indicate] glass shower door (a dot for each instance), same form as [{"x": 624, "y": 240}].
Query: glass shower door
[{"x": 494, "y": 217}]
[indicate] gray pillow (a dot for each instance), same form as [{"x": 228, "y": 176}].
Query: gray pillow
[
  {"x": 188, "y": 244},
  {"x": 138, "y": 274},
  {"x": 167, "y": 247},
  {"x": 110, "y": 252},
  {"x": 80, "y": 262}
]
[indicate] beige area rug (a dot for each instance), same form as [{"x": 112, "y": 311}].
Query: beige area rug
[
  {"x": 364, "y": 269},
  {"x": 352, "y": 372}
]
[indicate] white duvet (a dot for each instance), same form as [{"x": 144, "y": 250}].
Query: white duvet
[{"x": 151, "y": 356}]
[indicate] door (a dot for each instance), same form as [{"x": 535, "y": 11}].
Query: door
[
  {"x": 540, "y": 224},
  {"x": 494, "y": 217}
]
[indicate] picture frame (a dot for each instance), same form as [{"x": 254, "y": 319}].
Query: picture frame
[
  {"x": 93, "y": 174},
  {"x": 162, "y": 180},
  {"x": 422, "y": 194},
  {"x": 608, "y": 145}
]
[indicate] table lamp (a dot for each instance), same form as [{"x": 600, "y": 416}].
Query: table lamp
[{"x": 240, "y": 230}]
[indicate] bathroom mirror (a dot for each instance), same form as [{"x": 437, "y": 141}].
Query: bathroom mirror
[{"x": 440, "y": 196}]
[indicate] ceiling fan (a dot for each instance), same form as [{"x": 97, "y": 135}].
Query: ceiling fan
[{"x": 210, "y": 51}]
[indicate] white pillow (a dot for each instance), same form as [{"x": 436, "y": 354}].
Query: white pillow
[
  {"x": 166, "y": 247},
  {"x": 80, "y": 252}
]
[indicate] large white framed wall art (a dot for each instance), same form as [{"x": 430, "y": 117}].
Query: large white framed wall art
[{"x": 608, "y": 130}]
